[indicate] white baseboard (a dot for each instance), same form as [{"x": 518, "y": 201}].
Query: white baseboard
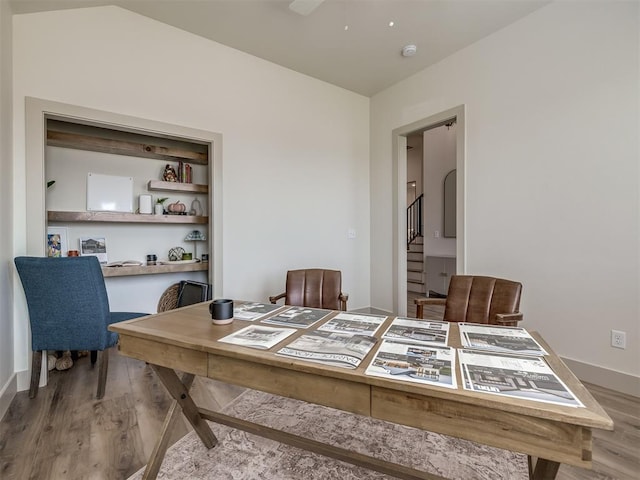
[
  {"x": 24, "y": 380},
  {"x": 7, "y": 394},
  {"x": 604, "y": 377}
]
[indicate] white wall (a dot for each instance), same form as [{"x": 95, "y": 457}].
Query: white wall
[
  {"x": 439, "y": 145},
  {"x": 295, "y": 150},
  {"x": 552, "y": 105},
  {"x": 7, "y": 377}
]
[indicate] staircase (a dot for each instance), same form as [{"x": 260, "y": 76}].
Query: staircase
[{"x": 415, "y": 266}]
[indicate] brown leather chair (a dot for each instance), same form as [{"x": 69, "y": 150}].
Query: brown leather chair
[
  {"x": 315, "y": 288},
  {"x": 477, "y": 299}
]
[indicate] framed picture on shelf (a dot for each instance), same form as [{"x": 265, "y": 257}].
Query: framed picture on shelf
[
  {"x": 96, "y": 246},
  {"x": 57, "y": 242}
]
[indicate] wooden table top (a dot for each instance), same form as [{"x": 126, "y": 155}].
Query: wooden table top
[{"x": 190, "y": 328}]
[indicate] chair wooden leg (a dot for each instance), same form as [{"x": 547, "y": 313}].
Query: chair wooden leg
[
  {"x": 36, "y": 366},
  {"x": 103, "y": 366},
  {"x": 94, "y": 357},
  {"x": 419, "y": 311}
]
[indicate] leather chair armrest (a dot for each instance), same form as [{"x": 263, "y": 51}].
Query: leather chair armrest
[
  {"x": 343, "y": 301},
  {"x": 275, "y": 298},
  {"x": 430, "y": 301},
  {"x": 508, "y": 319},
  {"x": 421, "y": 302}
]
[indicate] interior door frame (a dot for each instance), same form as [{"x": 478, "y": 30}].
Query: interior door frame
[{"x": 399, "y": 149}]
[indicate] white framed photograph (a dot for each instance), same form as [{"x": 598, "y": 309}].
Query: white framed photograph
[
  {"x": 57, "y": 242},
  {"x": 96, "y": 246}
]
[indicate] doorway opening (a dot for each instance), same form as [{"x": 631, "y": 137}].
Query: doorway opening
[{"x": 429, "y": 240}]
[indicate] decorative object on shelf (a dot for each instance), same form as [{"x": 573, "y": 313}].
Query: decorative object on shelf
[
  {"x": 175, "y": 254},
  {"x": 185, "y": 172},
  {"x": 195, "y": 236},
  {"x": 159, "y": 207},
  {"x": 95, "y": 246},
  {"x": 187, "y": 256},
  {"x": 205, "y": 257},
  {"x": 57, "y": 242},
  {"x": 169, "y": 174},
  {"x": 74, "y": 253},
  {"x": 177, "y": 207},
  {"x": 196, "y": 208},
  {"x": 152, "y": 259},
  {"x": 144, "y": 204}
]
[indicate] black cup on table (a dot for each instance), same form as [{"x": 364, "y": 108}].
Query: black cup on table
[{"x": 221, "y": 311}]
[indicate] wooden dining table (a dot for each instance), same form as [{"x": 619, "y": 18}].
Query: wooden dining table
[{"x": 183, "y": 343}]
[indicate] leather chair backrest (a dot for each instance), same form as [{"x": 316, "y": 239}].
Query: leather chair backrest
[
  {"x": 315, "y": 288},
  {"x": 478, "y": 299}
]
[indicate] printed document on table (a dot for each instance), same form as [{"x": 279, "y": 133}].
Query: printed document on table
[
  {"x": 331, "y": 348},
  {"x": 419, "y": 363},
  {"x": 299, "y": 317},
  {"x": 499, "y": 339},
  {"x": 253, "y": 310},
  {"x": 515, "y": 376},
  {"x": 410, "y": 330},
  {"x": 258, "y": 336},
  {"x": 354, "y": 323}
]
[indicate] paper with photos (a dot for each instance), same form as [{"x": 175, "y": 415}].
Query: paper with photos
[
  {"x": 357, "y": 323},
  {"x": 252, "y": 311},
  {"x": 331, "y": 348},
  {"x": 299, "y": 317},
  {"x": 258, "y": 336},
  {"x": 410, "y": 330},
  {"x": 418, "y": 363},
  {"x": 515, "y": 376},
  {"x": 497, "y": 338}
]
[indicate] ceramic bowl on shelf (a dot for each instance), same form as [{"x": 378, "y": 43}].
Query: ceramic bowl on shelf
[{"x": 177, "y": 262}]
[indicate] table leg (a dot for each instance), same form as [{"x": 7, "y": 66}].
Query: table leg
[
  {"x": 179, "y": 390},
  {"x": 157, "y": 456},
  {"x": 542, "y": 469}
]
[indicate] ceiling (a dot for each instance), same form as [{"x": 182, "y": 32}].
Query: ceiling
[{"x": 365, "y": 57}]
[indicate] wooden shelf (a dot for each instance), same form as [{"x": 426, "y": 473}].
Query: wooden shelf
[
  {"x": 120, "y": 217},
  {"x": 160, "y": 186},
  {"x": 153, "y": 270},
  {"x": 96, "y": 139}
]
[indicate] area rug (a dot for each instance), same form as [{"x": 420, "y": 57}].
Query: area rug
[{"x": 243, "y": 456}]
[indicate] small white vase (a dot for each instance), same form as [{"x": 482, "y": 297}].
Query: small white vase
[{"x": 159, "y": 209}]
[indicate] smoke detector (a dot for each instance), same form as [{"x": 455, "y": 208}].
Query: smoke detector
[{"x": 409, "y": 50}]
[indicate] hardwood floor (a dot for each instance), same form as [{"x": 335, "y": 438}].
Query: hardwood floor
[{"x": 66, "y": 433}]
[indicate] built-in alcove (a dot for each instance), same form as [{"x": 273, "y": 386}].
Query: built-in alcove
[{"x": 64, "y": 142}]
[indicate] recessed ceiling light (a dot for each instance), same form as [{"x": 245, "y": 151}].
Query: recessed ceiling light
[
  {"x": 346, "y": 27},
  {"x": 391, "y": 24}
]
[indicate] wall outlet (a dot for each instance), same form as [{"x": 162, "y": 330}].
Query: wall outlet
[{"x": 618, "y": 339}]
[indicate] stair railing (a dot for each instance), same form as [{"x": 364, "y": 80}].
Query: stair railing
[{"x": 414, "y": 220}]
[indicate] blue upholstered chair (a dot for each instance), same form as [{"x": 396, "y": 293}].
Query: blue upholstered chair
[{"x": 68, "y": 310}]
